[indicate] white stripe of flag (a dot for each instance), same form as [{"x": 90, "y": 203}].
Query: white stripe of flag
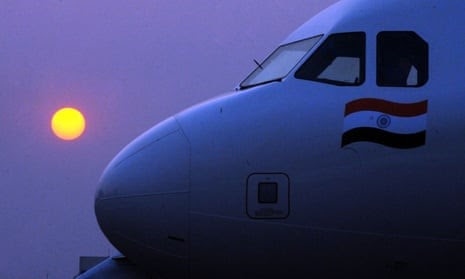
[{"x": 398, "y": 125}]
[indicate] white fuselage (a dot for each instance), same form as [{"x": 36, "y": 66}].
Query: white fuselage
[{"x": 181, "y": 199}]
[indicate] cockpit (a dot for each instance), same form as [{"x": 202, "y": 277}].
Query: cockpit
[
  {"x": 280, "y": 62},
  {"x": 340, "y": 60}
]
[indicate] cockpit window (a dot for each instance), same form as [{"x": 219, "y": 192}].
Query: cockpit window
[
  {"x": 402, "y": 59},
  {"x": 340, "y": 60},
  {"x": 280, "y": 62}
]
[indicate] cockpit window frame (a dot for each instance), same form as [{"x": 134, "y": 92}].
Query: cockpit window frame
[
  {"x": 422, "y": 62},
  {"x": 292, "y": 69},
  {"x": 362, "y": 67}
]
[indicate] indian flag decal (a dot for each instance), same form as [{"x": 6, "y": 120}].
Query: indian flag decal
[{"x": 391, "y": 124}]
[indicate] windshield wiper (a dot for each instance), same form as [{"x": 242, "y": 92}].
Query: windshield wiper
[{"x": 258, "y": 64}]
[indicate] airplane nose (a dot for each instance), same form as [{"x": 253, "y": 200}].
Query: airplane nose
[
  {"x": 142, "y": 200},
  {"x": 156, "y": 161}
]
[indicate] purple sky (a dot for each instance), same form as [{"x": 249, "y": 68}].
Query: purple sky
[{"x": 126, "y": 65}]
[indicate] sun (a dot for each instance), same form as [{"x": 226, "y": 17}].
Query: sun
[{"x": 68, "y": 123}]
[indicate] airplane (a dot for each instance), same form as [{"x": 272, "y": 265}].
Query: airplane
[{"x": 342, "y": 155}]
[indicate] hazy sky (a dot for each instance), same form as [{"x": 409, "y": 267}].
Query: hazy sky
[{"x": 126, "y": 65}]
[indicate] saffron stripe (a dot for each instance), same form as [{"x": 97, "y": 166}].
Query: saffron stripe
[
  {"x": 387, "y": 107},
  {"x": 402, "y": 141}
]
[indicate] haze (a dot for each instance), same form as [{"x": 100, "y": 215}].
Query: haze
[{"x": 126, "y": 65}]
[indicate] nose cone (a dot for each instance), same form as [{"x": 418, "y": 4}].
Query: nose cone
[
  {"x": 141, "y": 203},
  {"x": 156, "y": 161}
]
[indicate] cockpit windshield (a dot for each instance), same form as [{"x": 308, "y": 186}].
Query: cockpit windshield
[{"x": 280, "y": 62}]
